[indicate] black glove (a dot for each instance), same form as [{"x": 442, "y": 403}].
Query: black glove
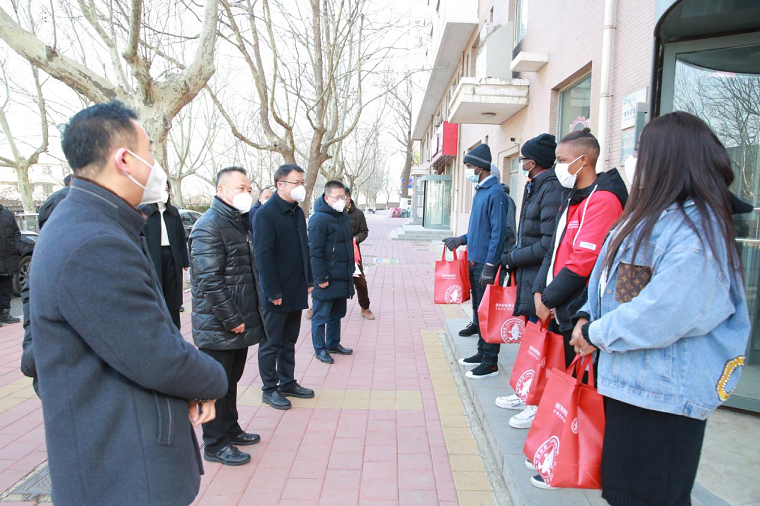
[
  {"x": 504, "y": 261},
  {"x": 453, "y": 243},
  {"x": 488, "y": 275}
]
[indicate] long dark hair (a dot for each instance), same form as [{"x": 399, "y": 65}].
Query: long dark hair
[{"x": 679, "y": 158}]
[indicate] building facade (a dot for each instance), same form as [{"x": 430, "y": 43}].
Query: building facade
[{"x": 504, "y": 71}]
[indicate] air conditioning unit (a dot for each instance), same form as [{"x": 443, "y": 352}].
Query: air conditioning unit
[
  {"x": 485, "y": 31},
  {"x": 490, "y": 61}
]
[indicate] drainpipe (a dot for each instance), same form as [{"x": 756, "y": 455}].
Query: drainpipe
[{"x": 604, "y": 94}]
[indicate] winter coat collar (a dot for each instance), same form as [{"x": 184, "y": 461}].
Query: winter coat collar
[
  {"x": 284, "y": 207},
  {"x": 320, "y": 206},
  {"x": 225, "y": 210},
  {"x": 606, "y": 181},
  {"x": 486, "y": 183},
  {"x": 84, "y": 191}
]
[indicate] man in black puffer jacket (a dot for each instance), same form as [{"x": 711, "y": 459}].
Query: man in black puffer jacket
[
  {"x": 331, "y": 250},
  {"x": 226, "y": 311},
  {"x": 540, "y": 205},
  {"x": 538, "y": 212}
]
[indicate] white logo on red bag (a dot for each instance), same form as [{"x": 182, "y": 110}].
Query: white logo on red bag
[
  {"x": 512, "y": 330},
  {"x": 545, "y": 457},
  {"x": 453, "y": 295},
  {"x": 574, "y": 425},
  {"x": 523, "y": 384}
]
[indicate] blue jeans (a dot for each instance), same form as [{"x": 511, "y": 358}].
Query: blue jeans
[{"x": 325, "y": 323}]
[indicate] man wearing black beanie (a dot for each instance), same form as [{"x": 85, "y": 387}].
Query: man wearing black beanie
[
  {"x": 485, "y": 238},
  {"x": 541, "y": 201}
]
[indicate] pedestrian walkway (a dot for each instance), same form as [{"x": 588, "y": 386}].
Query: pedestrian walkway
[{"x": 386, "y": 426}]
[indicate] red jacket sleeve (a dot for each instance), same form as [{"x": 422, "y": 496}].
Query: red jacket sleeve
[{"x": 603, "y": 210}]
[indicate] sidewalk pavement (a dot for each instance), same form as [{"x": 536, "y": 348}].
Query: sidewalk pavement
[{"x": 387, "y": 425}]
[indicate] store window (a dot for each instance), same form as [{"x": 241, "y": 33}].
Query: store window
[
  {"x": 521, "y": 20},
  {"x": 574, "y": 109}
]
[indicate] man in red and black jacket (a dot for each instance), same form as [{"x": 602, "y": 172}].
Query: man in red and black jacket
[{"x": 590, "y": 206}]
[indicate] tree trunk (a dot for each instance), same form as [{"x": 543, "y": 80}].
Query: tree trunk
[
  {"x": 407, "y": 167},
  {"x": 22, "y": 177},
  {"x": 316, "y": 159},
  {"x": 177, "y": 191}
]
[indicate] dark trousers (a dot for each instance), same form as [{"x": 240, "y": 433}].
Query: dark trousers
[
  {"x": 277, "y": 354},
  {"x": 362, "y": 292},
  {"x": 217, "y": 433},
  {"x": 649, "y": 457},
  {"x": 325, "y": 323},
  {"x": 171, "y": 284},
  {"x": 489, "y": 352},
  {"x": 6, "y": 292}
]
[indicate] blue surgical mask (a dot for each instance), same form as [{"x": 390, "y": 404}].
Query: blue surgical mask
[{"x": 470, "y": 175}]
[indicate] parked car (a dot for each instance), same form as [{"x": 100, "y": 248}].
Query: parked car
[
  {"x": 26, "y": 246},
  {"x": 188, "y": 219}
]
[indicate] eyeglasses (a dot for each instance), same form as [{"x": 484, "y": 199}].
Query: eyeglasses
[
  {"x": 296, "y": 183},
  {"x": 339, "y": 197}
]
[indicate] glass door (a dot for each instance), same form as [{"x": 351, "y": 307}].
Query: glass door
[
  {"x": 437, "y": 202},
  {"x": 719, "y": 81}
]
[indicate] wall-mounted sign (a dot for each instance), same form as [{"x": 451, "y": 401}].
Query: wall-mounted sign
[
  {"x": 627, "y": 145},
  {"x": 446, "y": 144},
  {"x": 628, "y": 117}
]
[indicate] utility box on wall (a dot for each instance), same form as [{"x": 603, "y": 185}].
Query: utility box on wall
[{"x": 495, "y": 42}]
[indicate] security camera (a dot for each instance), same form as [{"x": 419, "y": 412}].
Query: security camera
[{"x": 513, "y": 139}]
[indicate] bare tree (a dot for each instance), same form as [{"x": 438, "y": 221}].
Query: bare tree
[
  {"x": 191, "y": 140},
  {"x": 17, "y": 160},
  {"x": 317, "y": 78},
  {"x": 400, "y": 101},
  {"x": 139, "y": 48}
]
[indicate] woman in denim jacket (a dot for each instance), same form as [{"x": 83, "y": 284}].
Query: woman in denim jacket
[{"x": 667, "y": 311}]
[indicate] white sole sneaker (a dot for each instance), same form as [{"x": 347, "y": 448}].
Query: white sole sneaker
[
  {"x": 524, "y": 419},
  {"x": 537, "y": 482},
  {"x": 468, "y": 364},
  {"x": 481, "y": 376},
  {"x": 510, "y": 402},
  {"x": 529, "y": 465}
]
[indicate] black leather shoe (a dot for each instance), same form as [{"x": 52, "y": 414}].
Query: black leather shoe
[
  {"x": 470, "y": 330},
  {"x": 229, "y": 456},
  {"x": 276, "y": 400},
  {"x": 340, "y": 350},
  {"x": 245, "y": 439},
  {"x": 296, "y": 390},
  {"x": 324, "y": 357}
]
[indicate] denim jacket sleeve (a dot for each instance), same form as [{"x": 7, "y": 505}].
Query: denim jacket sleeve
[{"x": 688, "y": 295}]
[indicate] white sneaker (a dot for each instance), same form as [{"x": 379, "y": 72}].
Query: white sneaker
[
  {"x": 524, "y": 419},
  {"x": 529, "y": 465},
  {"x": 510, "y": 402},
  {"x": 472, "y": 361},
  {"x": 539, "y": 482}
]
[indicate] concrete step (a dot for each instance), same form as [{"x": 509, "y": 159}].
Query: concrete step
[{"x": 418, "y": 233}]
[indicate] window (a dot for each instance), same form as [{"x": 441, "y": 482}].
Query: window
[
  {"x": 521, "y": 20},
  {"x": 574, "y": 108},
  {"x": 514, "y": 176}
]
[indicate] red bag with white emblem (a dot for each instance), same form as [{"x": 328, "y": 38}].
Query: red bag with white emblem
[
  {"x": 464, "y": 266},
  {"x": 498, "y": 324},
  {"x": 449, "y": 287},
  {"x": 565, "y": 440},
  {"x": 540, "y": 351}
]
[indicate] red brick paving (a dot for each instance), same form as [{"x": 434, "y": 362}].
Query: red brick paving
[{"x": 315, "y": 455}]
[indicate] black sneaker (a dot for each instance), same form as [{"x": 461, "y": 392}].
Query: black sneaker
[
  {"x": 483, "y": 371},
  {"x": 471, "y": 361},
  {"x": 228, "y": 456},
  {"x": 470, "y": 330}
]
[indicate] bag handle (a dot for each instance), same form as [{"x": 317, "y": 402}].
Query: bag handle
[
  {"x": 443, "y": 255},
  {"x": 498, "y": 275},
  {"x": 579, "y": 365}
]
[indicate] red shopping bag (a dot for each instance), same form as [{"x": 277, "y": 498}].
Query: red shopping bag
[
  {"x": 464, "y": 265},
  {"x": 540, "y": 352},
  {"x": 496, "y": 314},
  {"x": 357, "y": 260},
  {"x": 449, "y": 287},
  {"x": 565, "y": 440}
]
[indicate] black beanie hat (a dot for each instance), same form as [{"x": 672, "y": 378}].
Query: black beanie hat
[
  {"x": 541, "y": 150},
  {"x": 480, "y": 156}
]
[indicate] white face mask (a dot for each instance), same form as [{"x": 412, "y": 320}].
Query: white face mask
[
  {"x": 339, "y": 205},
  {"x": 630, "y": 168},
  {"x": 471, "y": 175},
  {"x": 562, "y": 170},
  {"x": 298, "y": 193},
  {"x": 241, "y": 201},
  {"x": 154, "y": 190}
]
